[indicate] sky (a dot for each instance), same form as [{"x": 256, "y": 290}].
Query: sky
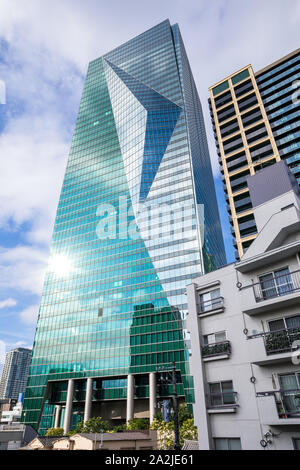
[{"x": 45, "y": 48}]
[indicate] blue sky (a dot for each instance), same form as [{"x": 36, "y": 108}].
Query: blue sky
[{"x": 45, "y": 47}]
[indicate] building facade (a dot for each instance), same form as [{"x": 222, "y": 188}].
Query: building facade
[
  {"x": 244, "y": 321},
  {"x": 15, "y": 435},
  {"x": 133, "y": 440},
  {"x": 256, "y": 123},
  {"x": 15, "y": 373},
  {"x": 137, "y": 220}
]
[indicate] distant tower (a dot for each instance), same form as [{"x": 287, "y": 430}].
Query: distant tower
[{"x": 14, "y": 373}]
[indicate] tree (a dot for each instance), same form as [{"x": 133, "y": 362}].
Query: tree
[
  {"x": 184, "y": 413},
  {"x": 92, "y": 425},
  {"x": 119, "y": 428},
  {"x": 165, "y": 431},
  {"x": 188, "y": 431},
  {"x": 138, "y": 424},
  {"x": 53, "y": 432}
]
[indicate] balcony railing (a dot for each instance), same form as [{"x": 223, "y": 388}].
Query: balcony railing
[
  {"x": 222, "y": 400},
  {"x": 281, "y": 341},
  {"x": 216, "y": 349},
  {"x": 287, "y": 402},
  {"x": 277, "y": 287},
  {"x": 212, "y": 304}
]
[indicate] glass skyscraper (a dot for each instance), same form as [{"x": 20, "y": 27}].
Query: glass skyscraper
[{"x": 136, "y": 222}]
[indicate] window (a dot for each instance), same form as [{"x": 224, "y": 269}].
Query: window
[
  {"x": 290, "y": 386},
  {"x": 225, "y": 443},
  {"x": 214, "y": 338},
  {"x": 240, "y": 76},
  {"x": 221, "y": 393},
  {"x": 222, "y": 87},
  {"x": 296, "y": 442},
  {"x": 210, "y": 300},
  {"x": 285, "y": 323},
  {"x": 276, "y": 283}
]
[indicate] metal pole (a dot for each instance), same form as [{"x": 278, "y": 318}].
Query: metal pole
[
  {"x": 101, "y": 443},
  {"x": 175, "y": 407}
]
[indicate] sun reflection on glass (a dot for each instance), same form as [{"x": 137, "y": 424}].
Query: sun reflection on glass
[{"x": 60, "y": 265}]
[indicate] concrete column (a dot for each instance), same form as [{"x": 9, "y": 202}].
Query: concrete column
[
  {"x": 88, "y": 399},
  {"x": 57, "y": 416},
  {"x": 152, "y": 395},
  {"x": 69, "y": 402},
  {"x": 130, "y": 398}
]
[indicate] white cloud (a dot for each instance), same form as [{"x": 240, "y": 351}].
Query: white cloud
[
  {"x": 7, "y": 303},
  {"x": 31, "y": 176},
  {"x": 19, "y": 344},
  {"x": 30, "y": 314},
  {"x": 23, "y": 268}
]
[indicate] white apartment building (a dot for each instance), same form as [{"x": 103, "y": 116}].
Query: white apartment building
[{"x": 244, "y": 324}]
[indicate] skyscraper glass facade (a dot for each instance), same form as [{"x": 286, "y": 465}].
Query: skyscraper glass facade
[{"x": 137, "y": 220}]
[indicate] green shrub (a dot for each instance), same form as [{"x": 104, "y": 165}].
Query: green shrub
[
  {"x": 138, "y": 424},
  {"x": 53, "y": 432},
  {"x": 92, "y": 425}
]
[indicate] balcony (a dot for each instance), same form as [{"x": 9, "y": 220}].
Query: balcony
[
  {"x": 216, "y": 351},
  {"x": 280, "y": 407},
  {"x": 279, "y": 346},
  {"x": 273, "y": 294},
  {"x": 277, "y": 342},
  {"x": 282, "y": 285},
  {"x": 223, "y": 402},
  {"x": 211, "y": 307}
]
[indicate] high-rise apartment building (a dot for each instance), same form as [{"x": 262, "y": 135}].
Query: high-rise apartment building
[
  {"x": 137, "y": 220},
  {"x": 256, "y": 122},
  {"x": 14, "y": 373}
]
